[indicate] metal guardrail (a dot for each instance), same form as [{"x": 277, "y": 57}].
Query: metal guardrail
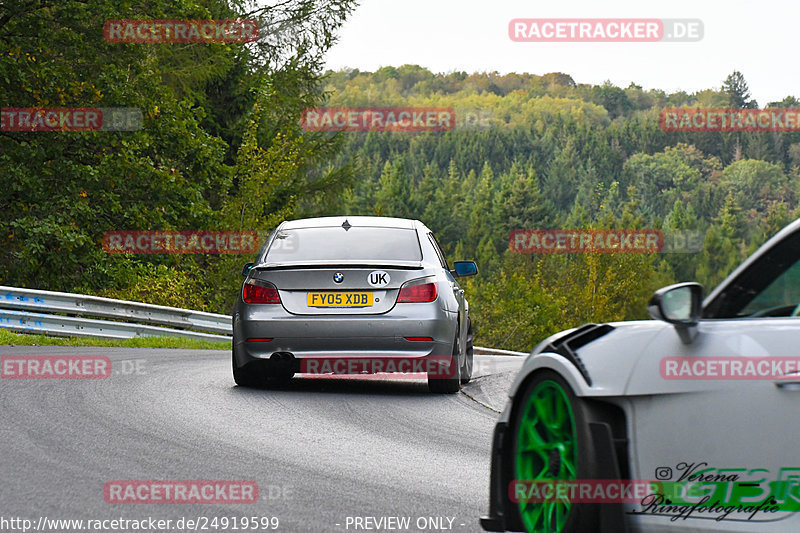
[
  {"x": 43, "y": 312},
  {"x": 68, "y": 326},
  {"x": 35, "y": 311}
]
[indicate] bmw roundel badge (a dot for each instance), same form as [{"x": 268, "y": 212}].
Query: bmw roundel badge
[{"x": 338, "y": 277}]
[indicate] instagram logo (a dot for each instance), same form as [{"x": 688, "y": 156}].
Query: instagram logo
[{"x": 663, "y": 473}]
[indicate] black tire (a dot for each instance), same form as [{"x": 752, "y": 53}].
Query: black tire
[
  {"x": 246, "y": 376},
  {"x": 466, "y": 370},
  {"x": 452, "y": 384},
  {"x": 580, "y": 517}
]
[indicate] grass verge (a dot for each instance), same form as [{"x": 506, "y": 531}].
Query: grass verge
[{"x": 24, "y": 339}]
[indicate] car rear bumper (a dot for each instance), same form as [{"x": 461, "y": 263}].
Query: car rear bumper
[
  {"x": 336, "y": 348},
  {"x": 349, "y": 336}
]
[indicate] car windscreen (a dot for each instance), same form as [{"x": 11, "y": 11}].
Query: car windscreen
[
  {"x": 337, "y": 244},
  {"x": 768, "y": 287}
]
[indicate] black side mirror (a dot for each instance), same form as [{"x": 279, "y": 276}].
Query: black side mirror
[
  {"x": 681, "y": 306},
  {"x": 464, "y": 268},
  {"x": 246, "y": 268}
]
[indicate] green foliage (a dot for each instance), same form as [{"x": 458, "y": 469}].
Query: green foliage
[
  {"x": 551, "y": 153},
  {"x": 529, "y": 298},
  {"x": 220, "y": 147},
  {"x": 756, "y": 185},
  {"x": 159, "y": 285},
  {"x": 735, "y": 87},
  {"x": 724, "y": 245}
]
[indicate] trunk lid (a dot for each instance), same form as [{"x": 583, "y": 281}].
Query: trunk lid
[{"x": 310, "y": 289}]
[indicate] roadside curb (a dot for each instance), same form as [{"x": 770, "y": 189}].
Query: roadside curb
[{"x": 490, "y": 391}]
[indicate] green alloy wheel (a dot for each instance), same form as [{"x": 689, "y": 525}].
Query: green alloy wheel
[{"x": 551, "y": 433}]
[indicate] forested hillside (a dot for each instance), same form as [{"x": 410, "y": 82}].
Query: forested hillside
[
  {"x": 545, "y": 152},
  {"x": 222, "y": 148}
]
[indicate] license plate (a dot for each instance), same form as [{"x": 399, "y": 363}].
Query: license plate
[{"x": 339, "y": 299}]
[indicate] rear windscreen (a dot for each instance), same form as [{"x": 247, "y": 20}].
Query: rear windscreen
[{"x": 337, "y": 244}]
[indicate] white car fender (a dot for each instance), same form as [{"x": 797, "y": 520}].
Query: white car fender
[{"x": 556, "y": 363}]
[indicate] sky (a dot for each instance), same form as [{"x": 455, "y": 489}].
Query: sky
[{"x": 757, "y": 38}]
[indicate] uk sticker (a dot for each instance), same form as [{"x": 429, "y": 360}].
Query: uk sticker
[{"x": 378, "y": 278}]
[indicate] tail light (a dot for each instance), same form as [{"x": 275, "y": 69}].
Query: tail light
[
  {"x": 418, "y": 292},
  {"x": 260, "y": 292}
]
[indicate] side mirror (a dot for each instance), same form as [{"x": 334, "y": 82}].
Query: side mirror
[
  {"x": 681, "y": 306},
  {"x": 464, "y": 268},
  {"x": 246, "y": 268}
]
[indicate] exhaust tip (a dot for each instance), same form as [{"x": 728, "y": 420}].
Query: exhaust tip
[{"x": 282, "y": 356}]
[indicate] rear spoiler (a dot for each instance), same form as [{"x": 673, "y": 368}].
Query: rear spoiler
[{"x": 401, "y": 265}]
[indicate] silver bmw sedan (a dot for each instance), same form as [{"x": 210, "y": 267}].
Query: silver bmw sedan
[{"x": 352, "y": 295}]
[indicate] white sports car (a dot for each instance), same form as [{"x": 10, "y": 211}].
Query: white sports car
[{"x": 700, "y": 406}]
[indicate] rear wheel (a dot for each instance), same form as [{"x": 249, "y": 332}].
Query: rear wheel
[
  {"x": 466, "y": 370},
  {"x": 452, "y": 383},
  {"x": 246, "y": 376},
  {"x": 552, "y": 442}
]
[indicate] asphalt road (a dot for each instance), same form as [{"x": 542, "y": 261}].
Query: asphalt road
[{"x": 323, "y": 452}]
